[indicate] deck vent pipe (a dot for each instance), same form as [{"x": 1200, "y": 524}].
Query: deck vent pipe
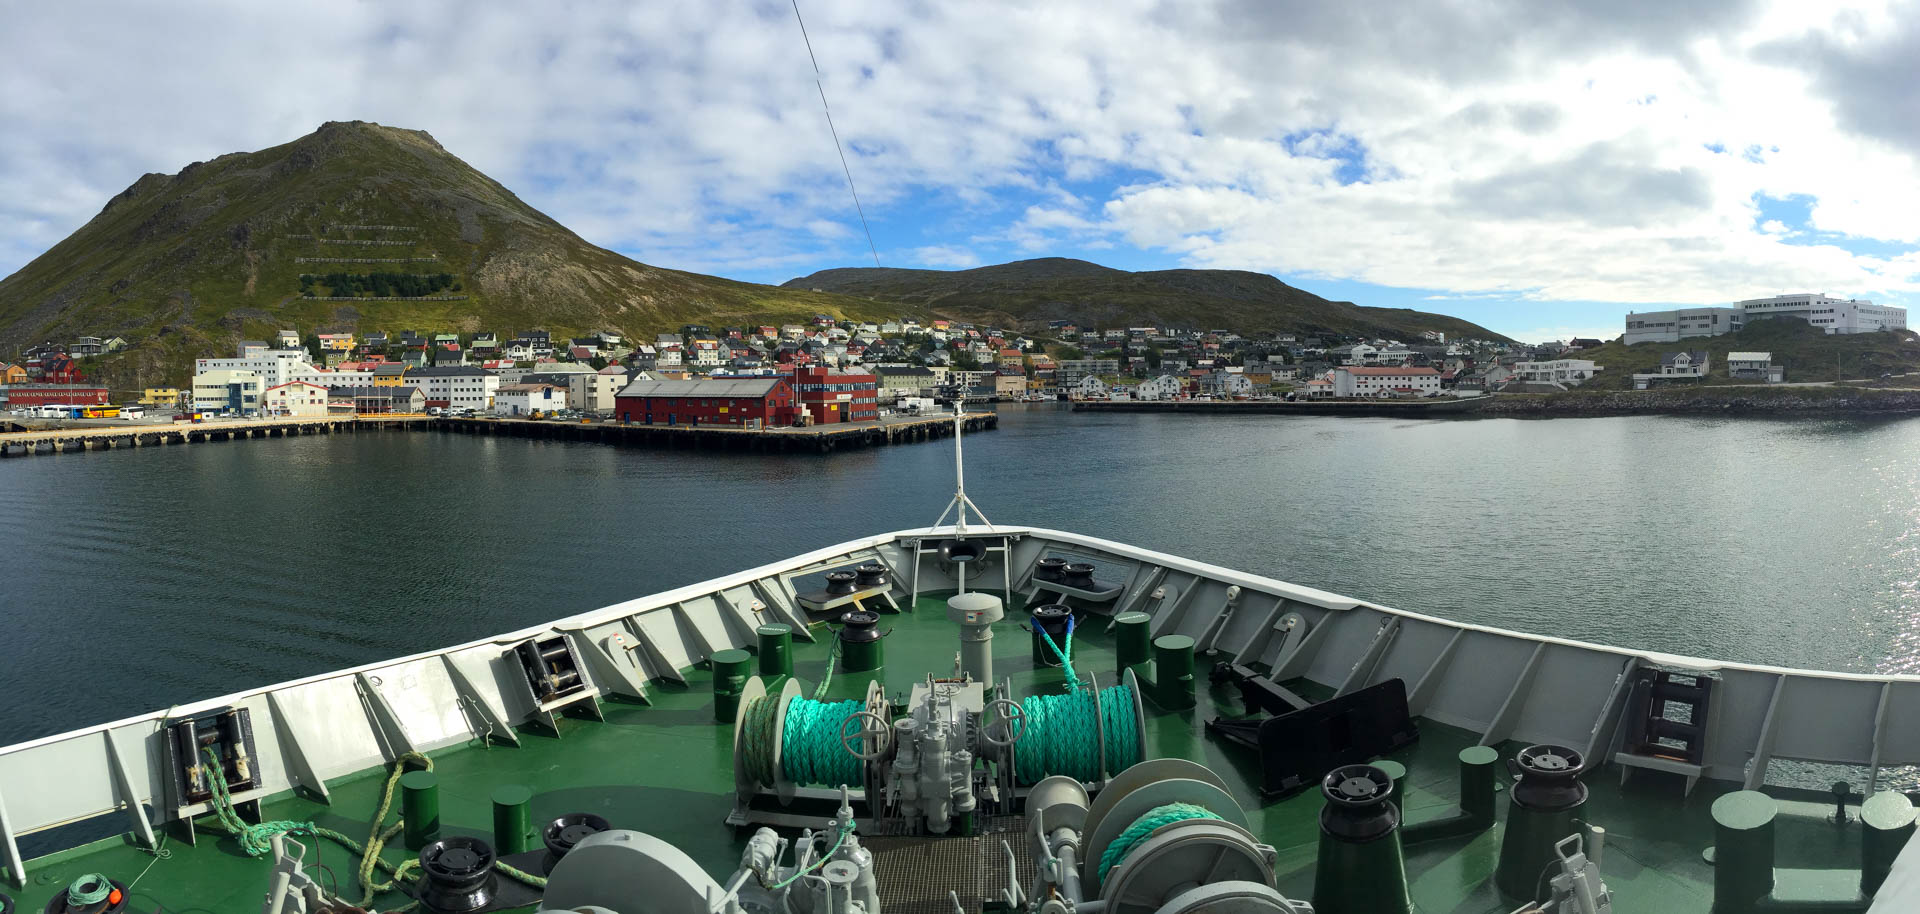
[
  {"x": 731, "y": 667},
  {"x": 975, "y": 613},
  {"x": 1361, "y": 868},
  {"x": 1540, "y": 813},
  {"x": 776, "y": 649}
]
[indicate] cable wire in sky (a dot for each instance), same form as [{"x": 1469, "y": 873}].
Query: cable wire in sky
[{"x": 818, "y": 84}]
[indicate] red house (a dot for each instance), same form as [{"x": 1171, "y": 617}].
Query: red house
[
  {"x": 55, "y": 368},
  {"x": 831, "y": 395},
  {"x": 731, "y": 402}
]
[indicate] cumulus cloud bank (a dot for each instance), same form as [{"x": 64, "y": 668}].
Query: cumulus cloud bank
[{"x": 1577, "y": 150}]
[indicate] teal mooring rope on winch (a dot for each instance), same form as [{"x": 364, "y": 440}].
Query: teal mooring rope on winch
[
  {"x": 811, "y": 749},
  {"x": 1062, "y": 734},
  {"x": 1146, "y": 825}
]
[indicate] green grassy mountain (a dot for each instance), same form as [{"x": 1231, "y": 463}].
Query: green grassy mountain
[
  {"x": 1808, "y": 353},
  {"x": 185, "y": 265},
  {"x": 1029, "y": 293}
]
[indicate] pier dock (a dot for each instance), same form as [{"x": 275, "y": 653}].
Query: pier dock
[
  {"x": 101, "y": 438},
  {"x": 821, "y": 439}
]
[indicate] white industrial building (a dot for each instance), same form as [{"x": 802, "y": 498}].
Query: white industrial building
[
  {"x": 1682, "y": 323},
  {"x": 1833, "y": 315},
  {"x": 273, "y": 367}
]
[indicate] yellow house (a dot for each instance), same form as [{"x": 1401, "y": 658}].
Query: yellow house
[
  {"x": 389, "y": 374},
  {"x": 336, "y": 342},
  {"x": 160, "y": 396},
  {"x": 12, "y": 374}
]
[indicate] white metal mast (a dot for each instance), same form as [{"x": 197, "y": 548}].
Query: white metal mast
[{"x": 960, "y": 503}]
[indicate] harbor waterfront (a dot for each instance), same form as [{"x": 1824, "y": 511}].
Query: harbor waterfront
[
  {"x": 822, "y": 439},
  {"x": 200, "y": 570}
]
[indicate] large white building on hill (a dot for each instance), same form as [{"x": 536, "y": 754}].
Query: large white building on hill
[{"x": 1833, "y": 315}]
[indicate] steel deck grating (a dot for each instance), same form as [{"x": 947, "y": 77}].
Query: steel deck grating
[{"x": 916, "y": 873}]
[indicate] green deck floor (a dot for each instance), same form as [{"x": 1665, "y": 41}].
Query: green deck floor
[{"x": 666, "y": 769}]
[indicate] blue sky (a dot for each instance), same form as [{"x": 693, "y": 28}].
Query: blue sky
[{"x": 1610, "y": 157}]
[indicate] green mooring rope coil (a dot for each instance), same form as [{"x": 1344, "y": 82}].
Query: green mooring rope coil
[
  {"x": 811, "y": 752},
  {"x": 92, "y": 888},
  {"x": 1146, "y": 825},
  {"x": 1062, "y": 734}
]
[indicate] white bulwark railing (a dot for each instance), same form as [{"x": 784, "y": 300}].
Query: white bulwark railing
[{"x": 1500, "y": 684}]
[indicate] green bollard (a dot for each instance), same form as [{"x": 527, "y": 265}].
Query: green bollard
[
  {"x": 1476, "y": 801},
  {"x": 776, "y": 649},
  {"x": 1742, "y": 851},
  {"x": 1133, "y": 632},
  {"x": 512, "y": 819},
  {"x": 1173, "y": 671},
  {"x": 1886, "y": 822},
  {"x": 1477, "y": 770},
  {"x": 731, "y": 668},
  {"x": 1397, "y": 773},
  {"x": 420, "y": 806}
]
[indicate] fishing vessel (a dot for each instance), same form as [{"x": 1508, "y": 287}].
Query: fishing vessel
[{"x": 970, "y": 717}]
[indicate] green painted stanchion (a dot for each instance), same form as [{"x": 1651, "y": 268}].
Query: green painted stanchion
[
  {"x": 420, "y": 806},
  {"x": 1742, "y": 851},
  {"x": 731, "y": 668},
  {"x": 1133, "y": 633},
  {"x": 776, "y": 649},
  {"x": 1886, "y": 822},
  {"x": 512, "y": 819},
  {"x": 1173, "y": 671}
]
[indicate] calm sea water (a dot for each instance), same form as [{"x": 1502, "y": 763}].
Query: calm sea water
[{"x": 130, "y": 580}]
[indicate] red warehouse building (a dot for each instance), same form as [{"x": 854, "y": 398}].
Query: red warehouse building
[
  {"x": 52, "y": 395},
  {"x": 831, "y": 395},
  {"x": 733, "y": 402}
]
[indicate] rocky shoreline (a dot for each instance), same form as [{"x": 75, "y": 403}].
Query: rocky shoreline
[{"x": 1806, "y": 401}]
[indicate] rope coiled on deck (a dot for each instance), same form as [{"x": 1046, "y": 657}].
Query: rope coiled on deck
[{"x": 257, "y": 840}]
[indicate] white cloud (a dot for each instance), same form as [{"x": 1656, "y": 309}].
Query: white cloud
[
  {"x": 1569, "y": 159},
  {"x": 943, "y": 255}
]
